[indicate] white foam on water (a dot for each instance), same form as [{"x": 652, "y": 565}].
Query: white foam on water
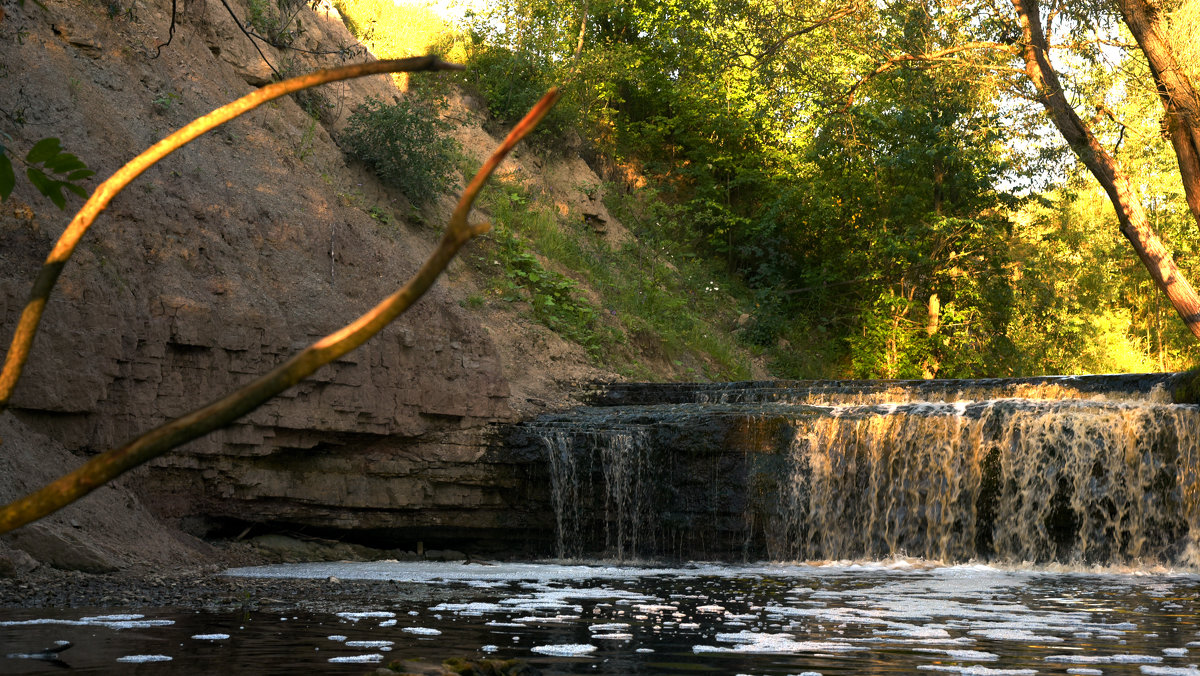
[
  {"x": 369, "y": 644},
  {"x": 41, "y": 620},
  {"x": 502, "y": 572},
  {"x": 1170, "y": 671},
  {"x": 610, "y": 626},
  {"x": 337, "y": 637},
  {"x": 357, "y": 659},
  {"x": 613, "y": 637},
  {"x": 1014, "y": 635},
  {"x": 142, "y": 659},
  {"x": 644, "y": 650},
  {"x": 366, "y": 615},
  {"x": 977, "y": 670},
  {"x": 1085, "y": 671},
  {"x": 918, "y": 632},
  {"x": 962, "y": 654},
  {"x": 1104, "y": 659},
  {"x": 422, "y": 631},
  {"x": 211, "y": 637},
  {"x": 117, "y": 622},
  {"x": 654, "y": 608},
  {"x": 489, "y": 648},
  {"x": 564, "y": 649},
  {"x": 388, "y": 623},
  {"x": 932, "y": 607},
  {"x": 475, "y": 607},
  {"x": 755, "y": 642}
]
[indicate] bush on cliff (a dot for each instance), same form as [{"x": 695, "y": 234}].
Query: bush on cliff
[{"x": 406, "y": 144}]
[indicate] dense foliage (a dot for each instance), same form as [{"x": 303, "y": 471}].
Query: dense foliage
[
  {"x": 406, "y": 144},
  {"x": 874, "y": 187},
  {"x": 888, "y": 214}
]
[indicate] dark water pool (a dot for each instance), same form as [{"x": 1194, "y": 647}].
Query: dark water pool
[{"x": 894, "y": 618}]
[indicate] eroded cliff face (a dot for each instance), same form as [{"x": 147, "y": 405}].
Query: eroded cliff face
[{"x": 218, "y": 264}]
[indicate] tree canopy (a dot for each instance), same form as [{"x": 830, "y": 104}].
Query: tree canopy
[{"x": 910, "y": 188}]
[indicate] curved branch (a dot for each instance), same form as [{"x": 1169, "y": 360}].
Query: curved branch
[
  {"x": 946, "y": 55},
  {"x": 43, "y": 284},
  {"x": 111, "y": 464}
]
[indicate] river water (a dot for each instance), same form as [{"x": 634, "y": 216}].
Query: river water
[{"x": 895, "y": 617}]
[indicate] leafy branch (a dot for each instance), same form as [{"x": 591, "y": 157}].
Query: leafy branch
[
  {"x": 110, "y": 464},
  {"x": 47, "y": 152}
]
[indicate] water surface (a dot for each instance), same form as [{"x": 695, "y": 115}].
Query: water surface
[{"x": 876, "y": 618}]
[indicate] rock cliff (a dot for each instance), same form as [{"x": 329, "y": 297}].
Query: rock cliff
[{"x": 222, "y": 261}]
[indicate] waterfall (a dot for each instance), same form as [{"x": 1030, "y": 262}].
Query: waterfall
[
  {"x": 1076, "y": 470},
  {"x": 620, "y": 455}
]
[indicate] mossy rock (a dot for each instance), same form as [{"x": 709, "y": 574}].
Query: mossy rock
[{"x": 1186, "y": 387}]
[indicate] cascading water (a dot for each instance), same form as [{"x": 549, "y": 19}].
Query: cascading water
[
  {"x": 1085, "y": 470},
  {"x": 620, "y": 456}
]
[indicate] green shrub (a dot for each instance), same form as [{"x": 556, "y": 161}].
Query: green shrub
[
  {"x": 405, "y": 144},
  {"x": 511, "y": 83},
  {"x": 49, "y": 154},
  {"x": 554, "y": 298}
]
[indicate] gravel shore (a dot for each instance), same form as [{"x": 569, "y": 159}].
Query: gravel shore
[{"x": 199, "y": 590}]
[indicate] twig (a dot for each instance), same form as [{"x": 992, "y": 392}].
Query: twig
[
  {"x": 27, "y": 325},
  {"x": 250, "y": 38},
  {"x": 111, "y": 464},
  {"x": 171, "y": 30}
]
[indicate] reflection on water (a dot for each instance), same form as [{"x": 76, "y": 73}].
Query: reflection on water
[{"x": 896, "y": 618}]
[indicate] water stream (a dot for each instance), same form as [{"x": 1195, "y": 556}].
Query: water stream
[
  {"x": 897, "y": 617},
  {"x": 1037, "y": 526}
]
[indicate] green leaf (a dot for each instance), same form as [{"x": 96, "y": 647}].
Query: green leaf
[
  {"x": 80, "y": 175},
  {"x": 77, "y": 189},
  {"x": 47, "y": 186},
  {"x": 64, "y": 163},
  {"x": 43, "y": 150},
  {"x": 56, "y": 195},
  {"x": 7, "y": 178}
]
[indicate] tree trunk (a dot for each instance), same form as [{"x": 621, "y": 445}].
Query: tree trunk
[
  {"x": 582, "y": 33},
  {"x": 1134, "y": 225},
  {"x": 1178, "y": 93}
]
